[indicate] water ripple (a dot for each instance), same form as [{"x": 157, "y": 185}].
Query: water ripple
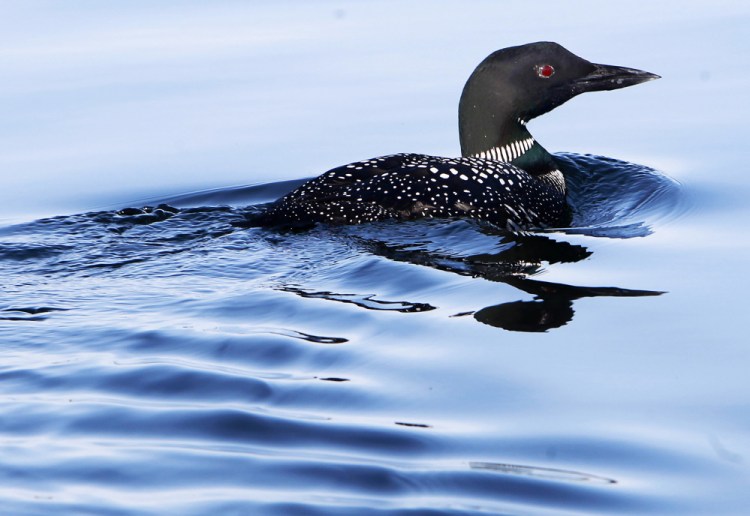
[{"x": 179, "y": 363}]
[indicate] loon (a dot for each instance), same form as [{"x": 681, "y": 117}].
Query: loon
[{"x": 504, "y": 176}]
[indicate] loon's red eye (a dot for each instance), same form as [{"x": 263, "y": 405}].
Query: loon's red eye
[{"x": 545, "y": 71}]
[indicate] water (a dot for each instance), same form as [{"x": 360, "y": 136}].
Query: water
[{"x": 171, "y": 361}]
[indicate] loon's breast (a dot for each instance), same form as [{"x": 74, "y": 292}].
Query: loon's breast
[{"x": 411, "y": 186}]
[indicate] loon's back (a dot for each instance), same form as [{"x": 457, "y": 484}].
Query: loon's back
[{"x": 411, "y": 186}]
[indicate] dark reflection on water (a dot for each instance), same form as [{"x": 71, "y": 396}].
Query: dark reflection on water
[
  {"x": 363, "y": 301},
  {"x": 522, "y": 256},
  {"x": 33, "y": 313},
  {"x": 552, "y": 307}
]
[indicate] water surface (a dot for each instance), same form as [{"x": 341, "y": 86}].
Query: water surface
[{"x": 171, "y": 361}]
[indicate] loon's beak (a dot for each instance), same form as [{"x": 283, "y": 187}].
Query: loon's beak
[{"x": 608, "y": 77}]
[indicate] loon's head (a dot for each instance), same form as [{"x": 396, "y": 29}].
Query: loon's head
[{"x": 513, "y": 85}]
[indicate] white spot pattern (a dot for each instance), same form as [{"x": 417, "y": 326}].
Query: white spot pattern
[{"x": 397, "y": 187}]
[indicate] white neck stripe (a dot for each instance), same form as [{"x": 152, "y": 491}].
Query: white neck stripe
[{"x": 508, "y": 152}]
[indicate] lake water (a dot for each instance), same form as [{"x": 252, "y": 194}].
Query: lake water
[{"x": 170, "y": 361}]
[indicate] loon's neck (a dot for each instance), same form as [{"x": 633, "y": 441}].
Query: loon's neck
[{"x": 512, "y": 143}]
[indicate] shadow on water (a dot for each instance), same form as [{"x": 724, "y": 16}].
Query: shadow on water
[{"x": 521, "y": 257}]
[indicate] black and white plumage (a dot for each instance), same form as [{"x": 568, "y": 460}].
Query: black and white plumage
[
  {"x": 409, "y": 186},
  {"x": 504, "y": 177}
]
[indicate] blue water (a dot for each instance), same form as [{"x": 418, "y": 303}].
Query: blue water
[{"x": 157, "y": 357}]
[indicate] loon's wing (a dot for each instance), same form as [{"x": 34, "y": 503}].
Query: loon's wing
[
  {"x": 408, "y": 186},
  {"x": 349, "y": 194}
]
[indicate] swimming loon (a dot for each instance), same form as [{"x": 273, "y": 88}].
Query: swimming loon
[{"x": 504, "y": 176}]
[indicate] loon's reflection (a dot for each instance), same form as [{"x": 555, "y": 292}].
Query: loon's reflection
[
  {"x": 520, "y": 257},
  {"x": 552, "y": 306}
]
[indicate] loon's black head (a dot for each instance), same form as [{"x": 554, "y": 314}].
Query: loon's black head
[{"x": 513, "y": 85}]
